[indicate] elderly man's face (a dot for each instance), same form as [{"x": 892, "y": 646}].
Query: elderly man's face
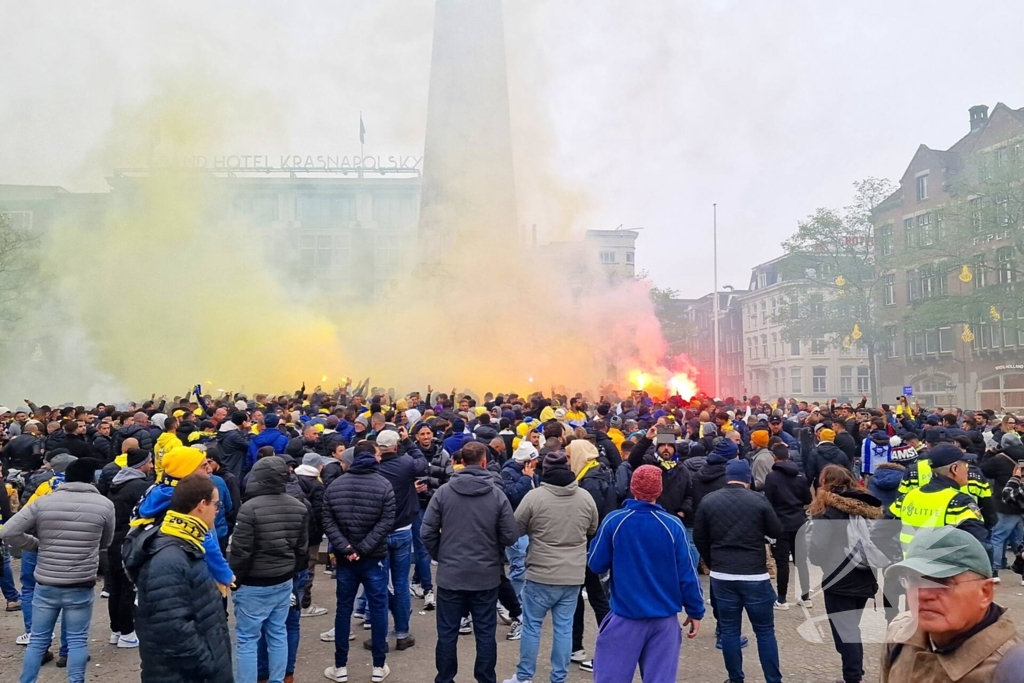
[{"x": 948, "y": 607}]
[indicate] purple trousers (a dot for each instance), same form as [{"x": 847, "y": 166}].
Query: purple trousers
[{"x": 623, "y": 643}]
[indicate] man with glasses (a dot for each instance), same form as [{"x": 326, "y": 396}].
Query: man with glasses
[{"x": 952, "y": 629}]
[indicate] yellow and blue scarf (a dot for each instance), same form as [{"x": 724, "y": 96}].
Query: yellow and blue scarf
[{"x": 190, "y": 529}]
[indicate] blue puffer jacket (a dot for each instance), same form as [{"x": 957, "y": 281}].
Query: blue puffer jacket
[
  {"x": 515, "y": 483},
  {"x": 885, "y": 483},
  {"x": 268, "y": 437}
]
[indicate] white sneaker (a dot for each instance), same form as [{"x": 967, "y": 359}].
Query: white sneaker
[
  {"x": 466, "y": 626},
  {"x": 416, "y": 590},
  {"x": 23, "y": 639},
  {"x": 504, "y": 616},
  {"x": 578, "y": 656},
  {"x": 327, "y": 637},
  {"x": 585, "y": 596},
  {"x": 312, "y": 611},
  {"x": 781, "y": 606},
  {"x": 114, "y": 638},
  {"x": 996, "y": 579},
  {"x": 428, "y": 601},
  {"x": 516, "y": 680},
  {"x": 129, "y": 640},
  {"x": 805, "y": 603},
  {"x": 380, "y": 673},
  {"x": 338, "y": 674},
  {"x": 104, "y": 594}
]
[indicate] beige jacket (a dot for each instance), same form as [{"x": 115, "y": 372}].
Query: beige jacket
[
  {"x": 558, "y": 520},
  {"x": 973, "y": 662}
]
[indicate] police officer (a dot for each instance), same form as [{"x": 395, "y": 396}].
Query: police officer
[
  {"x": 940, "y": 502},
  {"x": 919, "y": 473}
]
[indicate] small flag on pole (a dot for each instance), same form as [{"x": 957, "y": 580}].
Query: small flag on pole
[{"x": 362, "y": 130}]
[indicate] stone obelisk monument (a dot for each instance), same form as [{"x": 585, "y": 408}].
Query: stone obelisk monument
[{"x": 468, "y": 191}]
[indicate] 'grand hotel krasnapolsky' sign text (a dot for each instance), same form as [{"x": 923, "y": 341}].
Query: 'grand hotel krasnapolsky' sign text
[{"x": 320, "y": 162}]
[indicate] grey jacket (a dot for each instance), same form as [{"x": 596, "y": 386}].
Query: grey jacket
[
  {"x": 558, "y": 520},
  {"x": 68, "y": 528},
  {"x": 761, "y": 462},
  {"x": 466, "y": 527}
]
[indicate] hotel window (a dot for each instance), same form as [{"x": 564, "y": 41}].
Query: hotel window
[
  {"x": 629, "y": 257},
  {"x": 846, "y": 380},
  {"x": 909, "y": 237},
  {"x": 18, "y": 220},
  {"x": 976, "y": 214},
  {"x": 890, "y": 350},
  {"x": 818, "y": 380},
  {"x": 324, "y": 245},
  {"x": 794, "y": 347},
  {"x": 980, "y": 271},
  {"x": 775, "y": 344},
  {"x": 945, "y": 340},
  {"x": 307, "y": 251},
  {"x": 764, "y": 313},
  {"x": 924, "y": 228},
  {"x": 607, "y": 256},
  {"x": 862, "y": 379},
  {"x": 818, "y": 346},
  {"x": 764, "y": 345},
  {"x": 889, "y": 282},
  {"x": 1005, "y": 265},
  {"x": 883, "y": 238},
  {"x": 795, "y": 385},
  {"x": 922, "y": 187}
]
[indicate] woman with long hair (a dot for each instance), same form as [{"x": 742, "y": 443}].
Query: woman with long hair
[{"x": 846, "y": 584}]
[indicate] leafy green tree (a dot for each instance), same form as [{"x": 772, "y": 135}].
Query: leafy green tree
[
  {"x": 18, "y": 269},
  {"x": 835, "y": 295},
  {"x": 974, "y": 282}
]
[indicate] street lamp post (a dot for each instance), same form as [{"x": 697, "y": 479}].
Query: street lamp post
[{"x": 718, "y": 384}]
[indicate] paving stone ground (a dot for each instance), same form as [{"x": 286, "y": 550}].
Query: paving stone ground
[{"x": 803, "y": 661}]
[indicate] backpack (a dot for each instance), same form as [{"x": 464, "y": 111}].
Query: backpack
[{"x": 861, "y": 550}]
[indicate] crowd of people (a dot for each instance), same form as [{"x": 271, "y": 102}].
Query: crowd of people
[{"x": 488, "y": 508}]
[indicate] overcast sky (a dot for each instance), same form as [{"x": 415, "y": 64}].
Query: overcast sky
[{"x": 640, "y": 114}]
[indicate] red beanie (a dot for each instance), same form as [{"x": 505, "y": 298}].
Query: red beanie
[{"x": 646, "y": 483}]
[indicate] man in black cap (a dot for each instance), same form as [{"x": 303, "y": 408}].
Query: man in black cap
[{"x": 940, "y": 502}]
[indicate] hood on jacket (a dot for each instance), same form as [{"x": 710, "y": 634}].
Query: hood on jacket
[
  {"x": 156, "y": 501},
  {"x": 787, "y": 467},
  {"x": 566, "y": 490},
  {"x": 711, "y": 470},
  {"x": 364, "y": 463},
  {"x": 484, "y": 433},
  {"x": 580, "y": 452},
  {"x": 831, "y": 452},
  {"x": 472, "y": 481},
  {"x": 268, "y": 476},
  {"x": 694, "y": 464},
  {"x": 880, "y": 437},
  {"x": 853, "y": 503},
  {"x": 888, "y": 476},
  {"x": 125, "y": 475}
]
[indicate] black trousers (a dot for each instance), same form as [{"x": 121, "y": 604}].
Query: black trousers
[
  {"x": 786, "y": 546},
  {"x": 451, "y": 605},
  {"x": 844, "y": 613},
  {"x": 507, "y": 598},
  {"x": 121, "y": 603},
  {"x": 598, "y": 601}
]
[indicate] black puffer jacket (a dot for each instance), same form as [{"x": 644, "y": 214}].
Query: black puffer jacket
[
  {"x": 730, "y": 530},
  {"x": 599, "y": 482},
  {"x": 20, "y": 451},
  {"x": 313, "y": 491},
  {"x": 676, "y": 487},
  {"x": 709, "y": 478},
  {"x": 402, "y": 469},
  {"x": 102, "y": 448},
  {"x": 438, "y": 461},
  {"x": 824, "y": 454},
  {"x": 234, "y": 447},
  {"x": 125, "y": 495},
  {"x": 359, "y": 511},
  {"x": 133, "y": 431},
  {"x": 999, "y": 468},
  {"x": 828, "y": 542},
  {"x": 789, "y": 494},
  {"x": 179, "y": 615},
  {"x": 271, "y": 537},
  {"x": 609, "y": 454}
]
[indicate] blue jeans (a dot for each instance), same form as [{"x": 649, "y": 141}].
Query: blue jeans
[
  {"x": 1007, "y": 530},
  {"x": 291, "y": 626},
  {"x": 399, "y": 562},
  {"x": 261, "y": 610},
  {"x": 7, "y": 586},
  {"x": 372, "y": 575},
  {"x": 421, "y": 573},
  {"x": 694, "y": 555},
  {"x": 516, "y": 555},
  {"x": 538, "y": 600},
  {"x": 28, "y": 586},
  {"x": 48, "y": 602},
  {"x": 758, "y": 599},
  {"x": 451, "y": 607}
]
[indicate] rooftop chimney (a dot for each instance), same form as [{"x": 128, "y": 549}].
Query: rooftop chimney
[{"x": 979, "y": 115}]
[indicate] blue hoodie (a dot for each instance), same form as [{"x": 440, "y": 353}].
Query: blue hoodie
[
  {"x": 455, "y": 441},
  {"x": 885, "y": 483},
  {"x": 653, "y": 575},
  {"x": 268, "y": 437},
  {"x": 157, "y": 501},
  {"x": 346, "y": 430}
]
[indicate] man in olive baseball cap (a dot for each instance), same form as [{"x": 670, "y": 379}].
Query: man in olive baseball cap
[{"x": 952, "y": 629}]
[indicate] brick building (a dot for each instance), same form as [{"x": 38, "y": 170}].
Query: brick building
[{"x": 944, "y": 365}]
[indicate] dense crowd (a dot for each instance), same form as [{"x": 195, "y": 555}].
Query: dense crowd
[{"x": 507, "y": 507}]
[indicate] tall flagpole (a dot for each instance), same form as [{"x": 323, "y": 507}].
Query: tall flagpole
[
  {"x": 718, "y": 384},
  {"x": 362, "y": 135}
]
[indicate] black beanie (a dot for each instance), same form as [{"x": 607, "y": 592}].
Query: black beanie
[
  {"x": 239, "y": 417},
  {"x": 138, "y": 457},
  {"x": 82, "y": 470}
]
